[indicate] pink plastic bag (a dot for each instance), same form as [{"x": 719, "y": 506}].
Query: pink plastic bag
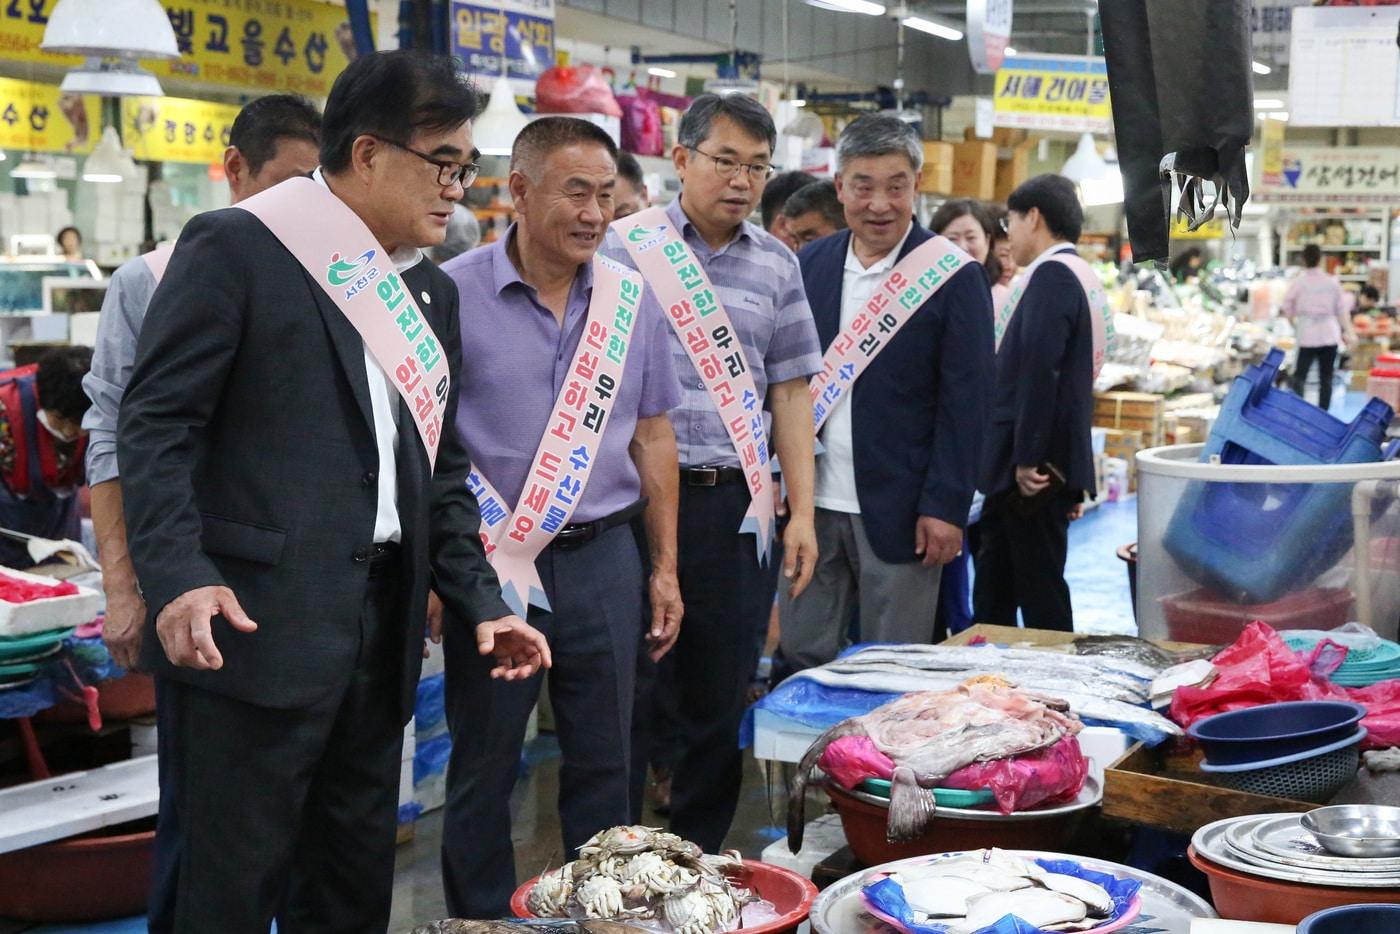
[
  {"x": 850, "y": 760},
  {"x": 1260, "y": 668},
  {"x": 641, "y": 126},
  {"x": 575, "y": 90},
  {"x": 1051, "y": 775}
]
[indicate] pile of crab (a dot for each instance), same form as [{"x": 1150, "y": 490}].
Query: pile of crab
[{"x": 640, "y": 874}]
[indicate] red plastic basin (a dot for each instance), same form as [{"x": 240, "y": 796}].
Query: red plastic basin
[
  {"x": 94, "y": 877},
  {"x": 1206, "y": 617},
  {"x": 789, "y": 893},
  {"x": 1241, "y": 897}
]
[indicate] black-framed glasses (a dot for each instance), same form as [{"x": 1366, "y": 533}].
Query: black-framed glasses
[
  {"x": 728, "y": 168},
  {"x": 449, "y": 173}
]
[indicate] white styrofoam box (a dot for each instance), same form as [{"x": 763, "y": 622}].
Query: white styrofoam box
[
  {"x": 21, "y": 619},
  {"x": 1215, "y": 926},
  {"x": 1098, "y": 439},
  {"x": 779, "y": 739},
  {"x": 410, "y": 740},
  {"x": 405, "y": 782},
  {"x": 822, "y": 837},
  {"x": 143, "y": 737},
  {"x": 78, "y": 802},
  {"x": 1103, "y": 745},
  {"x": 433, "y": 664}
]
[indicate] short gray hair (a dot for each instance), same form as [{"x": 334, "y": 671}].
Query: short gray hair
[
  {"x": 879, "y": 135},
  {"x": 748, "y": 114}
]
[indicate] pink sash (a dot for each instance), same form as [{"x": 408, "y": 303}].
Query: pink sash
[
  {"x": 701, "y": 322},
  {"x": 1100, "y": 315},
  {"x": 569, "y": 448},
  {"x": 158, "y": 259},
  {"x": 341, "y": 254},
  {"x": 902, "y": 292}
]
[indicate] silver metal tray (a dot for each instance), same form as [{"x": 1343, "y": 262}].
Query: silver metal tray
[
  {"x": 1211, "y": 844},
  {"x": 1283, "y": 836},
  {"x": 1167, "y": 908},
  {"x": 1089, "y": 796}
]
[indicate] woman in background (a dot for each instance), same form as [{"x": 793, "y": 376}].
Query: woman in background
[{"x": 70, "y": 244}]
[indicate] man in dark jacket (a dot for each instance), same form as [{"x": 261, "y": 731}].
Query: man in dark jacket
[{"x": 1039, "y": 460}]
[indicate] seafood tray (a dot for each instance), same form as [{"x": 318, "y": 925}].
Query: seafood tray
[{"x": 22, "y": 619}]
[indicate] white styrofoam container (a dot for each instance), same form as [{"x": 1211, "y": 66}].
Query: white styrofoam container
[
  {"x": 78, "y": 802},
  {"x": 21, "y": 619},
  {"x": 822, "y": 837}
]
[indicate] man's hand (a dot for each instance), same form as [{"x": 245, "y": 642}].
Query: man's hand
[
  {"x": 666, "y": 612},
  {"x": 938, "y": 542},
  {"x": 434, "y": 620},
  {"x": 1076, "y": 513},
  {"x": 123, "y": 625},
  {"x": 520, "y": 650},
  {"x": 1031, "y": 481},
  {"x": 184, "y": 626},
  {"x": 799, "y": 553}
]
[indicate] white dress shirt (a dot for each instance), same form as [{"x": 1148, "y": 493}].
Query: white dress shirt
[
  {"x": 836, "y": 468},
  {"x": 382, "y": 399}
]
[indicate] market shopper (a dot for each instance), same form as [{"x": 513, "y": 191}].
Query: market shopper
[
  {"x": 899, "y": 465},
  {"x": 999, "y": 258},
  {"x": 1317, "y": 305},
  {"x": 1039, "y": 463},
  {"x": 41, "y": 450},
  {"x": 286, "y": 509},
  {"x": 273, "y": 138},
  {"x": 631, "y": 194},
  {"x": 776, "y": 193},
  {"x": 813, "y": 212},
  {"x": 749, "y": 346},
  {"x": 542, "y": 321}
]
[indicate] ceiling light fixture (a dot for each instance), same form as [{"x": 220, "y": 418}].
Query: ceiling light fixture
[
  {"x": 32, "y": 167},
  {"x": 104, "y": 165},
  {"x": 1009, "y": 51},
  {"x": 112, "y": 36},
  {"x": 661, "y": 72},
  {"x": 500, "y": 123},
  {"x": 850, "y": 6},
  {"x": 1260, "y": 68},
  {"x": 1267, "y": 103},
  {"x": 1278, "y": 115},
  {"x": 798, "y": 102},
  {"x": 932, "y": 28}
]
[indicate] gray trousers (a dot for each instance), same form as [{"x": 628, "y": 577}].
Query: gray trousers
[{"x": 896, "y": 602}]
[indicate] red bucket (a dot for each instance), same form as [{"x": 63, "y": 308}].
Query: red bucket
[{"x": 790, "y": 894}]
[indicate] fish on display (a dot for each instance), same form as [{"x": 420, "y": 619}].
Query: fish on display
[
  {"x": 463, "y": 926},
  {"x": 1139, "y": 650}
]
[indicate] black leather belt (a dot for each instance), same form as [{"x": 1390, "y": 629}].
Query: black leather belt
[
  {"x": 576, "y": 534},
  {"x": 711, "y": 476}
]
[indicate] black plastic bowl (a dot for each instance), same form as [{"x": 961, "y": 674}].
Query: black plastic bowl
[
  {"x": 1274, "y": 730},
  {"x": 1353, "y": 919}
]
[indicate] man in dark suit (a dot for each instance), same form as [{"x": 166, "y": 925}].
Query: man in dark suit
[
  {"x": 272, "y": 472},
  {"x": 1039, "y": 459},
  {"x": 900, "y": 464}
]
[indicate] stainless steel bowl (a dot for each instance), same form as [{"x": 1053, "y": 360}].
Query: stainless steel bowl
[{"x": 1356, "y": 829}]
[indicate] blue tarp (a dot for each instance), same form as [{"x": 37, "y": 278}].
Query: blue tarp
[{"x": 54, "y": 683}]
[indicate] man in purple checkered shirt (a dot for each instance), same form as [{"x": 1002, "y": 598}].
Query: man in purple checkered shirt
[{"x": 724, "y": 158}]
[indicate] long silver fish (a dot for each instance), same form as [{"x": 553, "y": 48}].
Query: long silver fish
[
  {"x": 974, "y": 656},
  {"x": 1025, "y": 662},
  {"x": 462, "y": 926}
]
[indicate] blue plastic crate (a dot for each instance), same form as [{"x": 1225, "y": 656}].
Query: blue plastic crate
[{"x": 1256, "y": 542}]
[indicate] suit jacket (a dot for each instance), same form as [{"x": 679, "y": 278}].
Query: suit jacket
[
  {"x": 1044, "y": 403},
  {"x": 919, "y": 409},
  {"x": 248, "y": 459}
]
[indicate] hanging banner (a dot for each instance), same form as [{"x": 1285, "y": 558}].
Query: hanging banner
[
  {"x": 1327, "y": 175},
  {"x": 298, "y": 46},
  {"x": 41, "y": 118},
  {"x": 1271, "y": 152},
  {"x": 173, "y": 129},
  {"x": 1054, "y": 92},
  {"x": 988, "y": 32},
  {"x": 520, "y": 30},
  {"x": 1210, "y": 230}
]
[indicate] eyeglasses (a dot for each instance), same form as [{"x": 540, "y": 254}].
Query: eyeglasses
[
  {"x": 1005, "y": 223},
  {"x": 449, "y": 173},
  {"x": 728, "y": 168}
]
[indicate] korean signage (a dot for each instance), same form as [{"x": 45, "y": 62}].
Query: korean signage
[
  {"x": 1271, "y": 152},
  {"x": 988, "y": 32},
  {"x": 1270, "y": 26},
  {"x": 1356, "y": 175},
  {"x": 263, "y": 45},
  {"x": 520, "y": 30},
  {"x": 171, "y": 129},
  {"x": 1213, "y": 229},
  {"x": 1054, "y": 92},
  {"x": 40, "y": 118}
]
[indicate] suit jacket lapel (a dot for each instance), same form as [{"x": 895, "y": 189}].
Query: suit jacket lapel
[
  {"x": 826, "y": 298},
  {"x": 349, "y": 347}
]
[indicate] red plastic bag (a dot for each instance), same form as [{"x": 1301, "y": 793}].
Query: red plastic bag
[
  {"x": 850, "y": 760},
  {"x": 1260, "y": 668},
  {"x": 1051, "y": 775},
  {"x": 575, "y": 90},
  {"x": 641, "y": 126}
]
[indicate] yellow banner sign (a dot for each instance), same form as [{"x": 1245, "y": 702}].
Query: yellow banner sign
[
  {"x": 40, "y": 118},
  {"x": 1210, "y": 230},
  {"x": 267, "y": 45},
  {"x": 1271, "y": 145},
  {"x": 1053, "y": 92},
  {"x": 172, "y": 129}
]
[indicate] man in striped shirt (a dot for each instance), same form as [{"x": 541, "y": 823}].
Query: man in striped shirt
[{"x": 724, "y": 158}]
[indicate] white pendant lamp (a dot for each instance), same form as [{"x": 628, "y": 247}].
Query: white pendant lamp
[
  {"x": 112, "y": 36},
  {"x": 104, "y": 165},
  {"x": 32, "y": 167},
  {"x": 1086, "y": 161},
  {"x": 494, "y": 132}
]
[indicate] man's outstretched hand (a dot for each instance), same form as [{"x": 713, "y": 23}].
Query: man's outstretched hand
[
  {"x": 185, "y": 626},
  {"x": 520, "y": 650}
]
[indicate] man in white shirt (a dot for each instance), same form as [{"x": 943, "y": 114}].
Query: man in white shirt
[{"x": 901, "y": 449}]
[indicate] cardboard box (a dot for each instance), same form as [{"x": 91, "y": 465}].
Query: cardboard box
[
  {"x": 1133, "y": 411},
  {"x": 1006, "y": 136},
  {"x": 1013, "y": 168},
  {"x": 974, "y": 170},
  {"x": 1124, "y": 445},
  {"x": 938, "y": 168}
]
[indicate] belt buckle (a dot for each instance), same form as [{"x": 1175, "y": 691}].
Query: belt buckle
[{"x": 704, "y": 476}]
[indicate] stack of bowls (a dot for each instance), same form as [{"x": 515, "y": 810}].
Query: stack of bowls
[
  {"x": 22, "y": 657},
  {"x": 1301, "y": 750},
  {"x": 1362, "y": 667}
]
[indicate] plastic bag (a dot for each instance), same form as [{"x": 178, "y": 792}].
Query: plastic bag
[
  {"x": 850, "y": 760},
  {"x": 579, "y": 89},
  {"x": 1260, "y": 668},
  {"x": 1053, "y": 774},
  {"x": 641, "y": 125}
]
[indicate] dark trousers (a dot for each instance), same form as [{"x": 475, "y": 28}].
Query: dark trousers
[
  {"x": 595, "y": 591},
  {"x": 1326, "y": 358},
  {"x": 283, "y": 813},
  {"x": 1022, "y": 564},
  {"x": 728, "y": 598}
]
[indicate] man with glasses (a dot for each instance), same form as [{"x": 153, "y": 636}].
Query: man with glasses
[
  {"x": 737, "y": 274},
  {"x": 293, "y": 481}
]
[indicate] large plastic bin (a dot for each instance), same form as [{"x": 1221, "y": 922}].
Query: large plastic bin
[
  {"x": 1384, "y": 383},
  {"x": 1171, "y": 601},
  {"x": 1254, "y": 542}
]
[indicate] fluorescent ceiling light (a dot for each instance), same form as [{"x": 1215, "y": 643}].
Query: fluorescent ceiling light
[
  {"x": 1278, "y": 115},
  {"x": 31, "y": 167},
  {"x": 1260, "y": 68},
  {"x": 1010, "y": 51},
  {"x": 850, "y": 6},
  {"x": 1267, "y": 103},
  {"x": 798, "y": 102},
  {"x": 932, "y": 28},
  {"x": 661, "y": 72}
]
